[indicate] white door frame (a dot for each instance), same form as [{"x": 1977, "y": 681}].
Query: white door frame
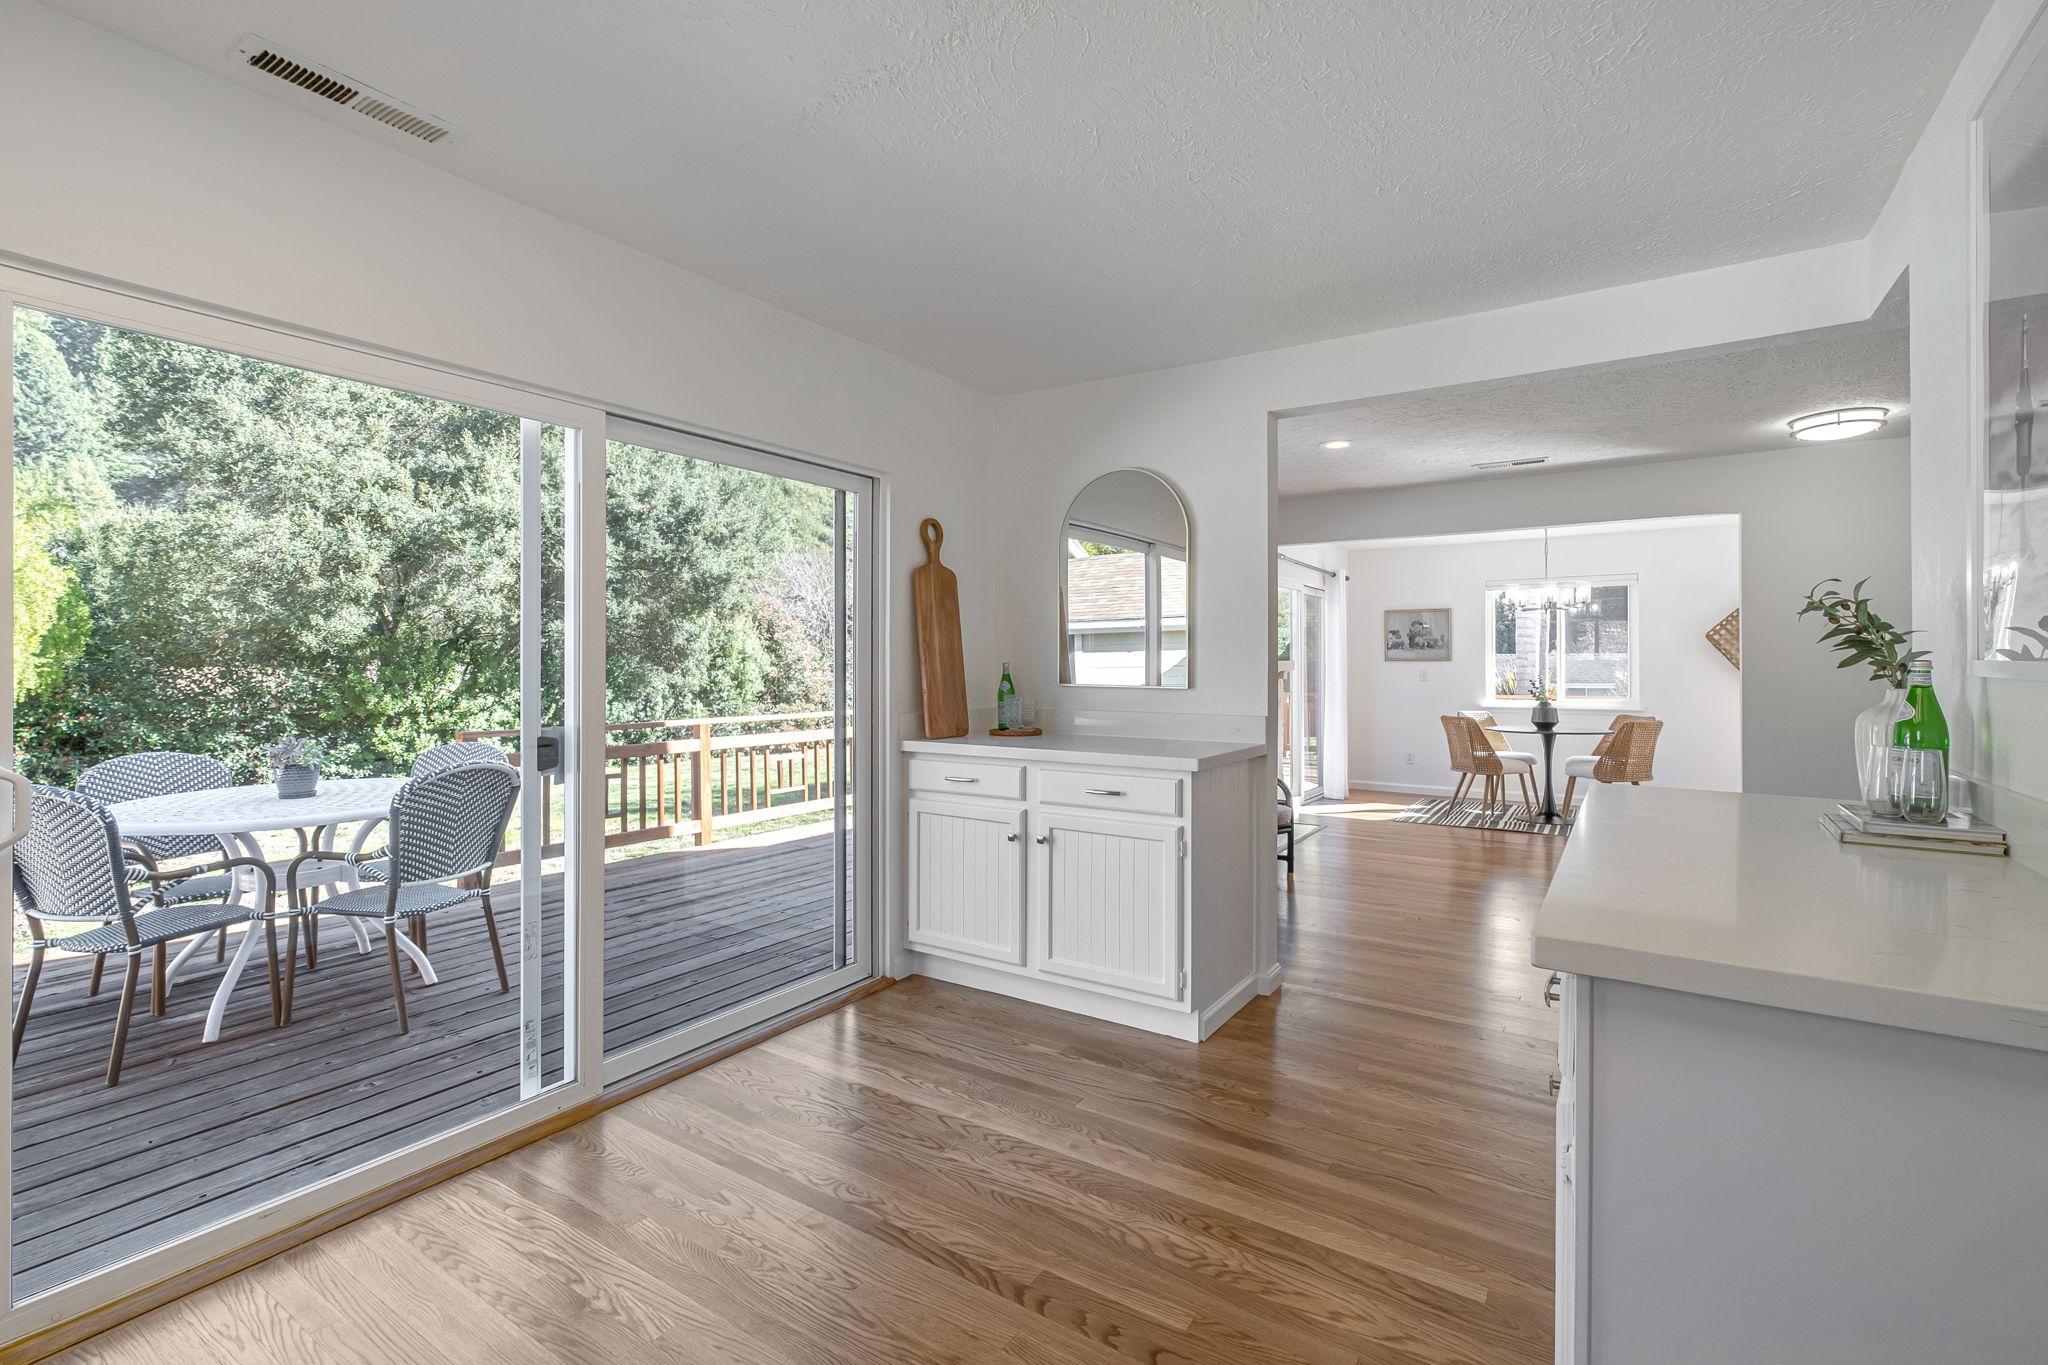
[
  {"x": 1303, "y": 584},
  {"x": 864, "y": 791},
  {"x": 584, "y": 704}
]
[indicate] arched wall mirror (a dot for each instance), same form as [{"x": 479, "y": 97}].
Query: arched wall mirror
[{"x": 1125, "y": 618}]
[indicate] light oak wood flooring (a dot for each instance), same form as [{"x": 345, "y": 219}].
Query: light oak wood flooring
[{"x": 1356, "y": 1169}]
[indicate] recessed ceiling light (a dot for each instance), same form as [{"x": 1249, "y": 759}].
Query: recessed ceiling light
[
  {"x": 1336, "y": 445},
  {"x": 1838, "y": 424}
]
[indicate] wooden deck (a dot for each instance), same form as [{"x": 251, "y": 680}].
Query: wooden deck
[{"x": 196, "y": 1133}]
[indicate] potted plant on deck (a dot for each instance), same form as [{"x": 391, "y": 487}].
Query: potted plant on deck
[{"x": 295, "y": 766}]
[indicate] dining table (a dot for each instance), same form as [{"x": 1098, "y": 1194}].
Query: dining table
[
  {"x": 237, "y": 815},
  {"x": 1549, "y": 815}
]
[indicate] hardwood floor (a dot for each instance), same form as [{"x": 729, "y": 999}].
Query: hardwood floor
[{"x": 1356, "y": 1169}]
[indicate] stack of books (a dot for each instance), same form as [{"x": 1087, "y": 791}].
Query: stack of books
[{"x": 1961, "y": 833}]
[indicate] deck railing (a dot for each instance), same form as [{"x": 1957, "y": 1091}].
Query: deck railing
[{"x": 700, "y": 775}]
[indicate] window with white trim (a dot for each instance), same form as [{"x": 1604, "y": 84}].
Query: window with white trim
[{"x": 1584, "y": 654}]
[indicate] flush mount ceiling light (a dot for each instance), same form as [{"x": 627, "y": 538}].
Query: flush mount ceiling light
[
  {"x": 1837, "y": 424},
  {"x": 1336, "y": 445}
]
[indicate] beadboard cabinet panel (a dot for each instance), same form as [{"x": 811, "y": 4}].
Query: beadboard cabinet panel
[
  {"x": 966, "y": 881},
  {"x": 1109, "y": 904}
]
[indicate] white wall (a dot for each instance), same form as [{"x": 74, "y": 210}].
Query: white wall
[
  {"x": 1689, "y": 577},
  {"x": 1999, "y": 727},
  {"x": 1807, "y": 513},
  {"x": 130, "y": 166},
  {"x": 160, "y": 176}
]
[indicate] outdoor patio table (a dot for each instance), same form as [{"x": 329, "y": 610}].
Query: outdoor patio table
[{"x": 240, "y": 814}]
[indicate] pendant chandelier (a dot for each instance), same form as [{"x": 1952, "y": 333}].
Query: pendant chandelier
[{"x": 1550, "y": 594}]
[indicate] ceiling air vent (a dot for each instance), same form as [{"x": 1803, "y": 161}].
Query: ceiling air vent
[
  {"x": 332, "y": 85},
  {"x": 1512, "y": 464}
]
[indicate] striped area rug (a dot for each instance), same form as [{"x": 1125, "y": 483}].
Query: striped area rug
[{"x": 1471, "y": 814}]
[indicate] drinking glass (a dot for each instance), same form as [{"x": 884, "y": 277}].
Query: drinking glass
[{"x": 1923, "y": 785}]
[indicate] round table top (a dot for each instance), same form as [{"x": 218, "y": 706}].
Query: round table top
[
  {"x": 247, "y": 810},
  {"x": 1532, "y": 730}
]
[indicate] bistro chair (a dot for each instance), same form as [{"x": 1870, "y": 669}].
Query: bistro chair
[
  {"x": 1626, "y": 753},
  {"x": 446, "y": 827},
  {"x": 69, "y": 868},
  {"x": 442, "y": 757},
  {"x": 1508, "y": 756},
  {"x": 1473, "y": 756},
  {"x": 162, "y": 772},
  {"x": 439, "y": 759}
]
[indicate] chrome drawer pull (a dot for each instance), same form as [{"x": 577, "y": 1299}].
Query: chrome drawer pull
[
  {"x": 963, "y": 779},
  {"x": 1101, "y": 791},
  {"x": 1011, "y": 837},
  {"x": 1044, "y": 839}
]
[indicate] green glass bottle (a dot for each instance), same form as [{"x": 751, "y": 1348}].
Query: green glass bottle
[
  {"x": 1006, "y": 700},
  {"x": 1921, "y": 740}
]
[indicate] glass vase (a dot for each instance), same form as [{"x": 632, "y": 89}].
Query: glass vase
[
  {"x": 1923, "y": 786},
  {"x": 1877, "y": 762}
]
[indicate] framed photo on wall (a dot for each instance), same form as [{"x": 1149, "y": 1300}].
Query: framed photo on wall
[{"x": 1419, "y": 635}]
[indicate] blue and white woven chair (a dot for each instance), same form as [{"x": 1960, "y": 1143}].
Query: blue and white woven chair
[
  {"x": 442, "y": 757},
  {"x": 446, "y": 827},
  {"x": 161, "y": 772},
  {"x": 69, "y": 868},
  {"x": 439, "y": 759}
]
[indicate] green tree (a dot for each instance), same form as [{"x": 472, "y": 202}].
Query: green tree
[{"x": 279, "y": 551}]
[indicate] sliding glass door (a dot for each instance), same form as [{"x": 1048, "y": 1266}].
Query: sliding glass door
[
  {"x": 737, "y": 600},
  {"x": 278, "y": 602},
  {"x": 295, "y": 625},
  {"x": 1300, "y": 648}
]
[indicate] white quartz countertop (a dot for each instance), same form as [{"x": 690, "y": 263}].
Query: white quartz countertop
[
  {"x": 1746, "y": 898},
  {"x": 1125, "y": 751}
]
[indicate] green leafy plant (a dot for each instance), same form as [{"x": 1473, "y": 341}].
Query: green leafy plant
[
  {"x": 1860, "y": 635},
  {"x": 295, "y": 750},
  {"x": 2028, "y": 652}
]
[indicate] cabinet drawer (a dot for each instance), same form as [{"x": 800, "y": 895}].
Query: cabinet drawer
[
  {"x": 1111, "y": 791},
  {"x": 956, "y": 777}
]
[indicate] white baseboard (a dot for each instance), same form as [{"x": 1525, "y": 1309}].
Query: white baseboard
[
  {"x": 1170, "y": 1020},
  {"x": 1405, "y": 784},
  {"x": 1269, "y": 980},
  {"x": 1234, "y": 999}
]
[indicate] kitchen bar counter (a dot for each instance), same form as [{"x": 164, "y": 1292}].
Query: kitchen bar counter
[
  {"x": 1801, "y": 1092},
  {"x": 1744, "y": 897}
]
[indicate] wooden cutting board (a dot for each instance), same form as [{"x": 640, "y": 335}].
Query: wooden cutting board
[{"x": 937, "y": 596}]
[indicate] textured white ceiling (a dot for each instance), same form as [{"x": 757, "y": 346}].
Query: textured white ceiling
[
  {"x": 1665, "y": 407},
  {"x": 1031, "y": 192},
  {"x": 2016, "y": 138}
]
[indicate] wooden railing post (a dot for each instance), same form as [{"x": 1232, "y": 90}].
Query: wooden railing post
[{"x": 700, "y": 784}]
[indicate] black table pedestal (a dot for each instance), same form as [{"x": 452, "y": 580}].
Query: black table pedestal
[{"x": 1548, "y": 814}]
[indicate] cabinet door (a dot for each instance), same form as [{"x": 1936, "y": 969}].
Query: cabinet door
[
  {"x": 1109, "y": 903},
  {"x": 967, "y": 878}
]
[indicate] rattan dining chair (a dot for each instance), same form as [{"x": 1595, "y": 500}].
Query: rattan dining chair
[
  {"x": 446, "y": 827},
  {"x": 1509, "y": 756},
  {"x": 1626, "y": 753},
  {"x": 1473, "y": 756},
  {"x": 69, "y": 868}
]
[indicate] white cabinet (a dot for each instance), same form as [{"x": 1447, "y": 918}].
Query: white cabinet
[
  {"x": 967, "y": 878},
  {"x": 1120, "y": 890},
  {"x": 1108, "y": 902}
]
